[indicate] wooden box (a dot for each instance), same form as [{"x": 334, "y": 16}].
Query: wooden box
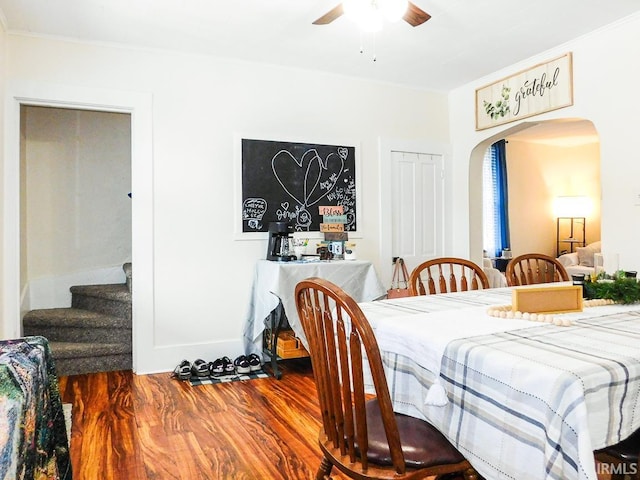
[
  {"x": 556, "y": 299},
  {"x": 290, "y": 346}
]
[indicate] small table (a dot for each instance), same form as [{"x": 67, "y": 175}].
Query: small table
[{"x": 272, "y": 298}]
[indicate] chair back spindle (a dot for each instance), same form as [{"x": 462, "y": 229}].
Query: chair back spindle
[
  {"x": 535, "y": 268},
  {"x": 462, "y": 274}
]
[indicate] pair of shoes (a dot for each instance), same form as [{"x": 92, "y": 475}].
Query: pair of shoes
[
  {"x": 248, "y": 363},
  {"x": 182, "y": 371},
  {"x": 200, "y": 368},
  {"x": 221, "y": 366}
]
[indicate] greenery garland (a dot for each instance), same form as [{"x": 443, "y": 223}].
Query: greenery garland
[{"x": 617, "y": 287}]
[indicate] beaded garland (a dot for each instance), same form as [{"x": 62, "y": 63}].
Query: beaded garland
[{"x": 506, "y": 311}]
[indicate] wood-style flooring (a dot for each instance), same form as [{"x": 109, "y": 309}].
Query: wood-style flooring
[
  {"x": 153, "y": 427},
  {"x": 138, "y": 427}
]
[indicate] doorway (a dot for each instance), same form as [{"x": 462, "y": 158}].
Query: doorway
[
  {"x": 139, "y": 105},
  {"x": 75, "y": 206},
  {"x": 417, "y": 206},
  {"x": 413, "y": 203}
]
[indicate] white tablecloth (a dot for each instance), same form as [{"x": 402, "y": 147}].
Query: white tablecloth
[
  {"x": 273, "y": 280},
  {"x": 525, "y": 404}
]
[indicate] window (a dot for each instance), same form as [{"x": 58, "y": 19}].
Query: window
[{"x": 495, "y": 207}]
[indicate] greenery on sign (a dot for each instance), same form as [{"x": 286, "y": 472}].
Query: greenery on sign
[
  {"x": 501, "y": 108},
  {"x": 617, "y": 287}
]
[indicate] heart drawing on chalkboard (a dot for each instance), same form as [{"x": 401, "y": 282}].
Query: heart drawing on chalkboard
[{"x": 309, "y": 179}]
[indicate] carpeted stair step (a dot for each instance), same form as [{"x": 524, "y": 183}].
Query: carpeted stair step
[
  {"x": 77, "y": 325},
  {"x": 128, "y": 272},
  {"x": 94, "y": 335},
  {"x": 111, "y": 299},
  {"x": 74, "y": 358}
]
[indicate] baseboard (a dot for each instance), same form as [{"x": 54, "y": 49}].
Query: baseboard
[{"x": 165, "y": 359}]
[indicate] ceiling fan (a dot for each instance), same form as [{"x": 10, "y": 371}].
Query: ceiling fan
[{"x": 413, "y": 15}]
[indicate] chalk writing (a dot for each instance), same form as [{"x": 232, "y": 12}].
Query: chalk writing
[
  {"x": 292, "y": 180},
  {"x": 252, "y": 211}
]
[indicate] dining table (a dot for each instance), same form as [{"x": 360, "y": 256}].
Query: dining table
[{"x": 520, "y": 399}]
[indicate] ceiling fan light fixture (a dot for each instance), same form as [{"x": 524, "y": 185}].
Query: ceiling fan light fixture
[
  {"x": 369, "y": 14},
  {"x": 354, "y": 9},
  {"x": 393, "y": 10},
  {"x": 371, "y": 22},
  {"x": 365, "y": 13}
]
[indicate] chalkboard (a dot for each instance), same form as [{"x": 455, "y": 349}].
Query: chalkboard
[{"x": 284, "y": 181}]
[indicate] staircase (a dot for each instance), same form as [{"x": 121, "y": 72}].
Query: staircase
[{"x": 94, "y": 334}]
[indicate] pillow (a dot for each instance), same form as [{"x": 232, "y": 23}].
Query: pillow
[
  {"x": 585, "y": 256},
  {"x": 596, "y": 246},
  {"x": 569, "y": 259}
]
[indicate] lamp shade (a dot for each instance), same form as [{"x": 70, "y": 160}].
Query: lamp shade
[{"x": 576, "y": 206}]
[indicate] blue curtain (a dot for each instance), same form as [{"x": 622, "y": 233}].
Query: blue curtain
[{"x": 501, "y": 200}]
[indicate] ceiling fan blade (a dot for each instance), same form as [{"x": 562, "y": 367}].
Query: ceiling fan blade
[
  {"x": 330, "y": 16},
  {"x": 415, "y": 15}
]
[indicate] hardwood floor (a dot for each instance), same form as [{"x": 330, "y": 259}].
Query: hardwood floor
[
  {"x": 153, "y": 427},
  {"x": 137, "y": 427}
]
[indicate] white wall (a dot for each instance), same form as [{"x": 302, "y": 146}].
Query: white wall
[
  {"x": 201, "y": 274},
  {"x": 78, "y": 213},
  {"x": 537, "y": 174},
  {"x": 605, "y": 85}
]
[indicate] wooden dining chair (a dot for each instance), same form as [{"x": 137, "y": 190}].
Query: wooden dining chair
[
  {"x": 446, "y": 274},
  {"x": 361, "y": 435},
  {"x": 622, "y": 458},
  {"x": 533, "y": 268}
]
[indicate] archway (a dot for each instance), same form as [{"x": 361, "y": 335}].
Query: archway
[{"x": 549, "y": 159}]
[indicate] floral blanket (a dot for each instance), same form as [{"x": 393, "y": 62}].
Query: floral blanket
[{"x": 33, "y": 438}]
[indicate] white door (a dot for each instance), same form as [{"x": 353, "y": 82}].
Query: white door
[{"x": 417, "y": 206}]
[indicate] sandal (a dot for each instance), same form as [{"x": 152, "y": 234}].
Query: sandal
[
  {"x": 229, "y": 368},
  {"x": 255, "y": 363},
  {"x": 242, "y": 365},
  {"x": 200, "y": 368},
  {"x": 216, "y": 368},
  {"x": 182, "y": 371}
]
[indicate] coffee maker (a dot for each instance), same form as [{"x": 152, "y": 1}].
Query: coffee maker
[{"x": 280, "y": 234}]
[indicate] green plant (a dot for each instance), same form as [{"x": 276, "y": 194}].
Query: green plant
[
  {"x": 614, "y": 287},
  {"x": 501, "y": 108}
]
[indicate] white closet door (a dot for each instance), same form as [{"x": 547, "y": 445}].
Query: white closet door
[{"x": 417, "y": 206}]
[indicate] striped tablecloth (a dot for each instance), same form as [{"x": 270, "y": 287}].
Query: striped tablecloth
[{"x": 526, "y": 403}]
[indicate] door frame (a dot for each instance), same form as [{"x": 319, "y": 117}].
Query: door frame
[
  {"x": 139, "y": 106},
  {"x": 386, "y": 147}
]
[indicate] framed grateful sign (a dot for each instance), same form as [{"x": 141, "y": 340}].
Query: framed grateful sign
[{"x": 542, "y": 88}]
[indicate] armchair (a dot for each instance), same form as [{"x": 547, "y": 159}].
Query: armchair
[{"x": 587, "y": 260}]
